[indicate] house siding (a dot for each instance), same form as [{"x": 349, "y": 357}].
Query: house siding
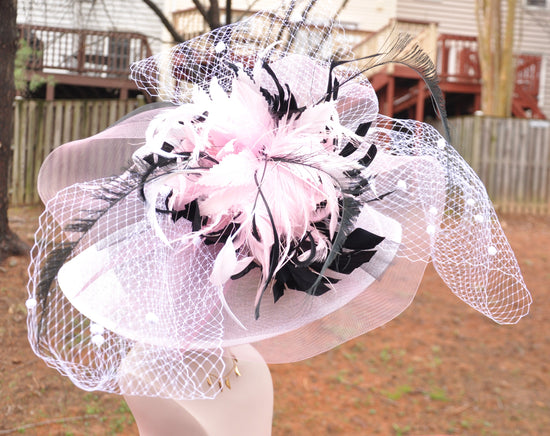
[
  {"x": 458, "y": 17},
  {"x": 533, "y": 34},
  {"x": 452, "y": 16},
  {"x": 365, "y": 15},
  {"x": 371, "y": 15}
]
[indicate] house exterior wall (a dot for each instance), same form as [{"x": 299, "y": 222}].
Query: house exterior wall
[
  {"x": 361, "y": 14},
  {"x": 458, "y": 17},
  {"x": 533, "y": 36},
  {"x": 452, "y": 16},
  {"x": 369, "y": 15}
]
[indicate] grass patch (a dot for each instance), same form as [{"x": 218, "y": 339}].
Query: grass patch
[
  {"x": 438, "y": 394},
  {"x": 401, "y": 430},
  {"x": 397, "y": 393}
]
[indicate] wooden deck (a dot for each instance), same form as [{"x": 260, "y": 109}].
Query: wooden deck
[
  {"x": 88, "y": 58},
  {"x": 401, "y": 91},
  {"x": 85, "y": 58}
]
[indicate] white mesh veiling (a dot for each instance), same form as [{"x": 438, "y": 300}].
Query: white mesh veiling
[
  {"x": 297, "y": 27},
  {"x": 121, "y": 294},
  {"x": 162, "y": 326},
  {"x": 469, "y": 248}
]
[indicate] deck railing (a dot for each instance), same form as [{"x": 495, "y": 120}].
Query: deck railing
[
  {"x": 58, "y": 50},
  {"x": 424, "y": 34},
  {"x": 458, "y": 61},
  {"x": 190, "y": 23}
]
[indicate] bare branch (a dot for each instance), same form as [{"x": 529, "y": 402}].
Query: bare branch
[
  {"x": 247, "y": 10},
  {"x": 201, "y": 9},
  {"x": 173, "y": 32}
]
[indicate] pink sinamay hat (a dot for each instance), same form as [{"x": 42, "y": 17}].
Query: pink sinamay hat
[{"x": 269, "y": 204}]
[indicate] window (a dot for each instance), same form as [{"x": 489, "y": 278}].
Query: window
[{"x": 539, "y": 3}]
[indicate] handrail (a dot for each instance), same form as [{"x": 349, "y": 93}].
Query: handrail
[{"x": 423, "y": 33}]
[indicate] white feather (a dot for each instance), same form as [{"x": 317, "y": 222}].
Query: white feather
[
  {"x": 224, "y": 267},
  {"x": 152, "y": 191},
  {"x": 225, "y": 264},
  {"x": 221, "y": 295}
]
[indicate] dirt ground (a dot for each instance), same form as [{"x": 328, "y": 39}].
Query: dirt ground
[{"x": 439, "y": 368}]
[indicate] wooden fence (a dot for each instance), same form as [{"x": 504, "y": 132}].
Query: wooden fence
[
  {"x": 511, "y": 156},
  {"x": 41, "y": 126}
]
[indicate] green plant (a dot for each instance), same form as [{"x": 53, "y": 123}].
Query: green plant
[
  {"x": 438, "y": 394},
  {"x": 397, "y": 393},
  {"x": 26, "y": 57},
  {"x": 385, "y": 355},
  {"x": 401, "y": 431},
  {"x": 341, "y": 376}
]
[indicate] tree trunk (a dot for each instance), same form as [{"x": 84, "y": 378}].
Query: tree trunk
[
  {"x": 507, "y": 67},
  {"x": 214, "y": 15},
  {"x": 10, "y": 244},
  {"x": 496, "y": 55},
  {"x": 228, "y": 9},
  {"x": 211, "y": 14}
]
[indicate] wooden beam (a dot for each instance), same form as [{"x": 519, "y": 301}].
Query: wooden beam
[
  {"x": 404, "y": 72},
  {"x": 378, "y": 81},
  {"x": 98, "y": 82},
  {"x": 420, "y": 98},
  {"x": 460, "y": 88},
  {"x": 50, "y": 92},
  {"x": 477, "y": 101},
  {"x": 390, "y": 95},
  {"x": 123, "y": 94}
]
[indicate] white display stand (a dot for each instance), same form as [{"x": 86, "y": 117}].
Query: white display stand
[{"x": 244, "y": 410}]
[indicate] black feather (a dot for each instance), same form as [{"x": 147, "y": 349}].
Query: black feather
[
  {"x": 110, "y": 194},
  {"x": 305, "y": 245},
  {"x": 275, "y": 248},
  {"x": 401, "y": 50},
  {"x": 282, "y": 103},
  {"x": 51, "y": 266},
  {"x": 351, "y": 209},
  {"x": 367, "y": 159},
  {"x": 363, "y": 129},
  {"x": 245, "y": 271},
  {"x": 350, "y": 147}
]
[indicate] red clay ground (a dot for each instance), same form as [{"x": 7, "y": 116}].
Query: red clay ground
[{"x": 440, "y": 367}]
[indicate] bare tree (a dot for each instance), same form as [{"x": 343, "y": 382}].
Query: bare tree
[
  {"x": 10, "y": 244},
  {"x": 496, "y": 55}
]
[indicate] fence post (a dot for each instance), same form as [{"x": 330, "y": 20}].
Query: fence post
[
  {"x": 40, "y": 126},
  {"x": 511, "y": 157}
]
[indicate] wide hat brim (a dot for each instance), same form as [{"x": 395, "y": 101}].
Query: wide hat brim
[{"x": 132, "y": 288}]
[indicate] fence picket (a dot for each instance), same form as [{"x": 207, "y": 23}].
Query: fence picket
[
  {"x": 13, "y": 190},
  {"x": 544, "y": 162},
  {"x": 41, "y": 126},
  {"x": 511, "y": 156}
]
